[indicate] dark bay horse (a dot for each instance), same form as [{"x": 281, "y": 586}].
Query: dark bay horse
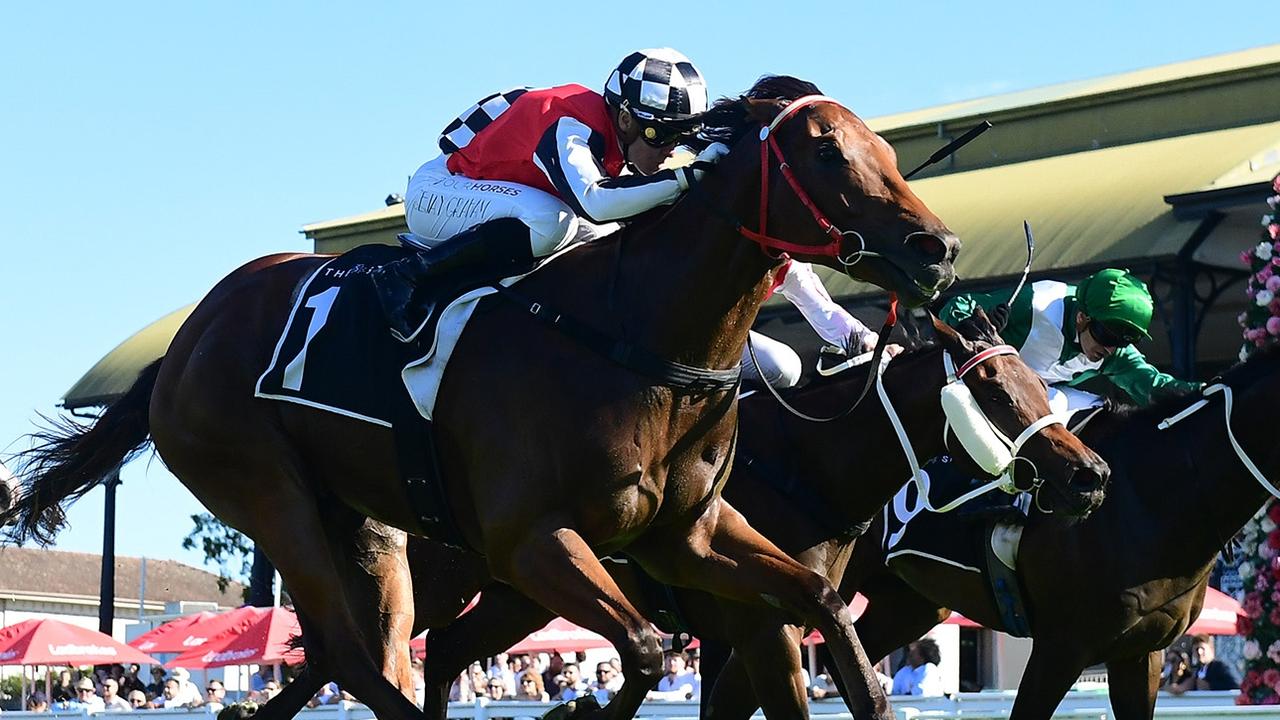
[
  {"x": 553, "y": 453},
  {"x": 807, "y": 487},
  {"x": 1123, "y": 584}
]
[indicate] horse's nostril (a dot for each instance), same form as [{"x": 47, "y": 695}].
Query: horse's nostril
[
  {"x": 930, "y": 247},
  {"x": 1086, "y": 479}
]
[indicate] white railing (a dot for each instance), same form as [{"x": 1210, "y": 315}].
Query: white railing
[{"x": 994, "y": 705}]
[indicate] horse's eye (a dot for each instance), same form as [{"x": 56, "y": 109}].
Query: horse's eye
[{"x": 830, "y": 152}]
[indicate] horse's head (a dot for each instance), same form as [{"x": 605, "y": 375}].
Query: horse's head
[
  {"x": 832, "y": 193},
  {"x": 1009, "y": 398}
]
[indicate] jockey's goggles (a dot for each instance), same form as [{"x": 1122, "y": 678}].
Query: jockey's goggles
[
  {"x": 1111, "y": 337},
  {"x": 657, "y": 134}
]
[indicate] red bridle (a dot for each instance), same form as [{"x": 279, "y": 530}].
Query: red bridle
[{"x": 762, "y": 238}]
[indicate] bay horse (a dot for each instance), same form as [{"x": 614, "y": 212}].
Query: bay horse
[
  {"x": 552, "y": 456},
  {"x": 1123, "y": 584},
  {"x": 809, "y": 488}
]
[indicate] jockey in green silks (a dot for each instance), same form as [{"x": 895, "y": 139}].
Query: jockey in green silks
[{"x": 1079, "y": 338}]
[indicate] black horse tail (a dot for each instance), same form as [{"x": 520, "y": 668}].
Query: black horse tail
[{"x": 71, "y": 458}]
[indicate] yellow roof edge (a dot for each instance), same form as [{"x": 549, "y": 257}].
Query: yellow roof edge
[
  {"x": 1156, "y": 80},
  {"x": 389, "y": 215}
]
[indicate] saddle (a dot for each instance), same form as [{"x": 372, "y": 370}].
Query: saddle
[{"x": 335, "y": 354}]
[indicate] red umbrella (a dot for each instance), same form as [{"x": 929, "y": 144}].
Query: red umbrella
[
  {"x": 560, "y": 634},
  {"x": 1218, "y": 617},
  {"x": 50, "y": 642},
  {"x": 263, "y": 639},
  {"x": 193, "y": 631},
  {"x": 152, "y": 639},
  {"x": 418, "y": 645}
]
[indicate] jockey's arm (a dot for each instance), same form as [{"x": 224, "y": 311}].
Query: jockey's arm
[
  {"x": 1130, "y": 371},
  {"x": 569, "y": 154},
  {"x": 802, "y": 286}
]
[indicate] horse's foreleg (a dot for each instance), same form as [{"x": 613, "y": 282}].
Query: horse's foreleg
[
  {"x": 501, "y": 618},
  {"x": 1132, "y": 685},
  {"x": 767, "y": 651},
  {"x": 557, "y": 569},
  {"x": 721, "y": 554},
  {"x": 726, "y": 694},
  {"x": 1045, "y": 681}
]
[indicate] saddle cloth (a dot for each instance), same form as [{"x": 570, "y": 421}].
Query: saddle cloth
[
  {"x": 963, "y": 538},
  {"x": 336, "y": 354}
]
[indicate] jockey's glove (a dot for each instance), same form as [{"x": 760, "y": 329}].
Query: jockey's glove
[{"x": 693, "y": 172}]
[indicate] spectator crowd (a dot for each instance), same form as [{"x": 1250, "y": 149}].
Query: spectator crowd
[{"x": 114, "y": 688}]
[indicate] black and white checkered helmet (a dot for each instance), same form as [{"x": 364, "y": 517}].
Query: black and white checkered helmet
[{"x": 657, "y": 84}]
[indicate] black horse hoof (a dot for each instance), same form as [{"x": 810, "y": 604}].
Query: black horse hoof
[{"x": 574, "y": 709}]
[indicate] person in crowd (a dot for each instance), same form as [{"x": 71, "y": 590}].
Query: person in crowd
[
  {"x": 258, "y": 681},
  {"x": 129, "y": 680},
  {"x": 678, "y": 681},
  {"x": 1079, "y": 338},
  {"x": 270, "y": 690},
  {"x": 919, "y": 675},
  {"x": 502, "y": 668},
  {"x": 156, "y": 688},
  {"x": 86, "y": 699},
  {"x": 496, "y": 689},
  {"x": 138, "y": 700},
  {"x": 571, "y": 684},
  {"x": 189, "y": 694},
  {"x": 464, "y": 686},
  {"x": 1209, "y": 673},
  {"x": 64, "y": 689},
  {"x": 1177, "y": 668},
  {"x": 215, "y": 696},
  {"x": 418, "y": 674},
  {"x": 555, "y": 665},
  {"x": 555, "y": 161},
  {"x": 607, "y": 682},
  {"x": 823, "y": 687},
  {"x": 328, "y": 694},
  {"x": 37, "y": 702},
  {"x": 170, "y": 696},
  {"x": 111, "y": 700},
  {"x": 529, "y": 687}
]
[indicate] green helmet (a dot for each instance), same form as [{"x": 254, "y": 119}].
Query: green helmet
[{"x": 1118, "y": 300}]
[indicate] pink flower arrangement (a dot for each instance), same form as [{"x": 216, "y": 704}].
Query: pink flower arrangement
[
  {"x": 1259, "y": 621},
  {"x": 1261, "y": 322}
]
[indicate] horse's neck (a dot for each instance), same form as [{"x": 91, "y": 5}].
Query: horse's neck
[
  {"x": 857, "y": 463},
  {"x": 1180, "y": 501},
  {"x": 689, "y": 285}
]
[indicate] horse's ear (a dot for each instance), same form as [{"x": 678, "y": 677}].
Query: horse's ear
[
  {"x": 951, "y": 340},
  {"x": 763, "y": 111},
  {"x": 985, "y": 325}
]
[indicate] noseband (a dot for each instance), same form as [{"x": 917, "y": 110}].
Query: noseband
[{"x": 766, "y": 242}]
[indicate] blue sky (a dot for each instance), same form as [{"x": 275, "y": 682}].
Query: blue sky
[{"x": 148, "y": 148}]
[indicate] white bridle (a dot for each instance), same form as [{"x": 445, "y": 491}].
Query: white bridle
[
  {"x": 1235, "y": 445},
  {"x": 989, "y": 447}
]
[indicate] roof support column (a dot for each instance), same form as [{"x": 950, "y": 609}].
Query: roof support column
[
  {"x": 1184, "y": 326},
  {"x": 107, "y": 589}
]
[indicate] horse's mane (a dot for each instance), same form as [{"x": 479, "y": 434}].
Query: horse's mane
[{"x": 728, "y": 119}]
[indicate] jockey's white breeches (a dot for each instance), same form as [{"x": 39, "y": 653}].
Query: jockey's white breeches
[
  {"x": 1064, "y": 399},
  {"x": 779, "y": 365},
  {"x": 439, "y": 205}
]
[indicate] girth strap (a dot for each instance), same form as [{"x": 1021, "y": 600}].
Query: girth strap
[{"x": 667, "y": 372}]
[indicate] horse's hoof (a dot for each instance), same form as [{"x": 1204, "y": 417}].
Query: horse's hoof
[{"x": 574, "y": 709}]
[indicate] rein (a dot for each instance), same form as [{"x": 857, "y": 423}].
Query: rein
[
  {"x": 877, "y": 358},
  {"x": 667, "y": 372},
  {"x": 956, "y": 375},
  {"x": 1245, "y": 460}
]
